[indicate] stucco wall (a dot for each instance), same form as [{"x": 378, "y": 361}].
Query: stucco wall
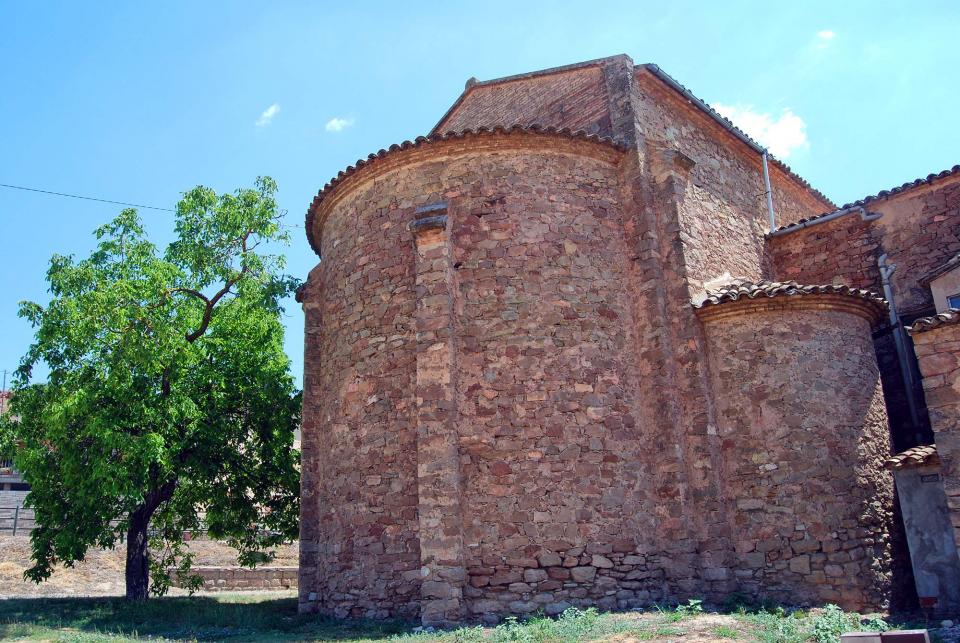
[
  {"x": 944, "y": 286},
  {"x": 933, "y": 552},
  {"x": 801, "y": 416}
]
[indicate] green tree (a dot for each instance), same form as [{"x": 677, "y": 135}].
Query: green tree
[{"x": 169, "y": 401}]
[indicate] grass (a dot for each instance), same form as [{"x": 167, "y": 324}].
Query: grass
[{"x": 265, "y": 617}]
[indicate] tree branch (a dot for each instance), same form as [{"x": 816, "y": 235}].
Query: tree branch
[
  {"x": 189, "y": 291},
  {"x": 212, "y": 301}
]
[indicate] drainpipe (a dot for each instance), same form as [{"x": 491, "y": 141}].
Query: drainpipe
[
  {"x": 866, "y": 216},
  {"x": 769, "y": 192},
  {"x": 886, "y": 270}
]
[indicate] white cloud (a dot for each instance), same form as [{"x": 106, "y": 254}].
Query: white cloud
[
  {"x": 338, "y": 124},
  {"x": 782, "y": 135},
  {"x": 267, "y": 116},
  {"x": 824, "y": 38}
]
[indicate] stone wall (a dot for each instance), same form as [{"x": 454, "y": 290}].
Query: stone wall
[
  {"x": 495, "y": 340},
  {"x": 937, "y": 342},
  {"x": 231, "y": 579},
  {"x": 509, "y": 403},
  {"x": 723, "y": 209},
  {"x": 918, "y": 230},
  {"x": 801, "y": 417},
  {"x": 723, "y": 214},
  {"x": 532, "y": 275},
  {"x": 842, "y": 251},
  {"x": 575, "y": 98}
]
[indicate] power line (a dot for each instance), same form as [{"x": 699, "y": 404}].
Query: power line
[{"x": 87, "y": 198}]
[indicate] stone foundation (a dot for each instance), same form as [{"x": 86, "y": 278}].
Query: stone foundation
[{"x": 223, "y": 579}]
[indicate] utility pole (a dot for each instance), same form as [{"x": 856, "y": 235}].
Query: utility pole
[{"x": 3, "y": 393}]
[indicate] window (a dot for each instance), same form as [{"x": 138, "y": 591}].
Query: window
[{"x": 954, "y": 301}]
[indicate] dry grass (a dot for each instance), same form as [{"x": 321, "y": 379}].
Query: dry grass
[{"x": 101, "y": 573}]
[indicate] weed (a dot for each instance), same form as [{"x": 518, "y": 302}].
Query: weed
[
  {"x": 725, "y": 632},
  {"x": 692, "y": 608},
  {"x": 829, "y": 624}
]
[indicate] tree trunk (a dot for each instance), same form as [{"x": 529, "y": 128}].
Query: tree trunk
[{"x": 137, "y": 573}]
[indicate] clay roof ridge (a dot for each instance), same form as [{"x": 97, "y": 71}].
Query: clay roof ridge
[
  {"x": 917, "y": 456},
  {"x": 727, "y": 124},
  {"x": 946, "y": 318},
  {"x": 419, "y": 141},
  {"x": 763, "y": 288},
  {"x": 882, "y": 194}
]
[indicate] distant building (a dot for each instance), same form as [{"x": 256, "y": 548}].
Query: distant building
[{"x": 13, "y": 489}]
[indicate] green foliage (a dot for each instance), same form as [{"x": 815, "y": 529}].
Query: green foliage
[
  {"x": 824, "y": 626},
  {"x": 255, "y": 617},
  {"x": 572, "y": 625},
  {"x": 169, "y": 397},
  {"x": 692, "y": 608},
  {"x": 828, "y": 625},
  {"x": 778, "y": 626}
]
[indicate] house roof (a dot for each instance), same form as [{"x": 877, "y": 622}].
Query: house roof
[
  {"x": 761, "y": 289},
  {"x": 421, "y": 141},
  {"x": 921, "y": 456},
  {"x": 946, "y": 318},
  {"x": 657, "y": 73},
  {"x": 882, "y": 194}
]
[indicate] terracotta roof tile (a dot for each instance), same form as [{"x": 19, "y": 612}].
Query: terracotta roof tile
[
  {"x": 753, "y": 290},
  {"x": 435, "y": 138},
  {"x": 925, "y": 455},
  {"x": 930, "y": 178},
  {"x": 946, "y": 318}
]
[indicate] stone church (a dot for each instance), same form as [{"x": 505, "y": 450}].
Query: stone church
[{"x": 587, "y": 343}]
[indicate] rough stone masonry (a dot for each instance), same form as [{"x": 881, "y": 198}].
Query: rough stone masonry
[{"x": 525, "y": 388}]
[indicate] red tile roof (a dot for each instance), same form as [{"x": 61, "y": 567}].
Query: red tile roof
[
  {"x": 883, "y": 194},
  {"x": 921, "y": 456},
  {"x": 946, "y": 318},
  {"x": 420, "y": 141},
  {"x": 754, "y": 290}
]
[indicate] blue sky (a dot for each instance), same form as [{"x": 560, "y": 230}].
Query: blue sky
[{"x": 140, "y": 101}]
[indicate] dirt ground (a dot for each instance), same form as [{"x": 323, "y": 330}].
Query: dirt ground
[{"x": 101, "y": 574}]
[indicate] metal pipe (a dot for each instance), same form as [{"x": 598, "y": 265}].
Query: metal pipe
[
  {"x": 866, "y": 216},
  {"x": 886, "y": 270},
  {"x": 769, "y": 192},
  {"x": 686, "y": 93}
]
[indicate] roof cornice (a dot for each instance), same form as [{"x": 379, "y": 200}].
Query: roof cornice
[{"x": 423, "y": 141}]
